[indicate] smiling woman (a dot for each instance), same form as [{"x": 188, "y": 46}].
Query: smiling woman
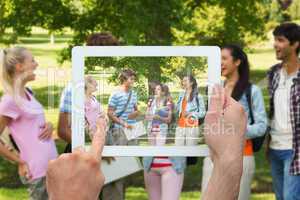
[{"x": 25, "y": 118}]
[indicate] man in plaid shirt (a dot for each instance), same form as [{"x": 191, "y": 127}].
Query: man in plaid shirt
[{"x": 284, "y": 90}]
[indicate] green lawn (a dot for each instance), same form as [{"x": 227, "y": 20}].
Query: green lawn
[
  {"x": 53, "y": 77},
  {"x": 131, "y": 194}
]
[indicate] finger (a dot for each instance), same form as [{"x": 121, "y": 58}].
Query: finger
[
  {"x": 216, "y": 101},
  {"x": 43, "y": 135},
  {"x": 98, "y": 141},
  {"x": 28, "y": 174},
  {"x": 78, "y": 149},
  {"x": 228, "y": 100}
]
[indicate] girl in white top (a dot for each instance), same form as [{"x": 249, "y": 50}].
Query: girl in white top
[{"x": 159, "y": 113}]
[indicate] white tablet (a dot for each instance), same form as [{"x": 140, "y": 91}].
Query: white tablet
[{"x": 211, "y": 56}]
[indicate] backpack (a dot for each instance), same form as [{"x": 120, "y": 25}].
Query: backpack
[{"x": 257, "y": 142}]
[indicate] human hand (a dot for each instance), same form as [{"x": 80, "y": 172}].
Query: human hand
[
  {"x": 126, "y": 125},
  {"x": 225, "y": 126},
  {"x": 47, "y": 131},
  {"x": 149, "y": 117},
  {"x": 24, "y": 171},
  {"x": 224, "y": 131},
  {"x": 133, "y": 115},
  {"x": 78, "y": 171}
]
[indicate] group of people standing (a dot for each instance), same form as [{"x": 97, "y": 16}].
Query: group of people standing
[{"x": 24, "y": 116}]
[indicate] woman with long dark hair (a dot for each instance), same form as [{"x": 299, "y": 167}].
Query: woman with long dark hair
[
  {"x": 190, "y": 108},
  {"x": 235, "y": 69}
]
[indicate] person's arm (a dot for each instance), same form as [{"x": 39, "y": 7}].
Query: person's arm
[
  {"x": 167, "y": 119},
  {"x": 4, "y": 151},
  {"x": 224, "y": 132},
  {"x": 64, "y": 130},
  {"x": 78, "y": 175},
  {"x": 259, "y": 113},
  {"x": 201, "y": 110},
  {"x": 23, "y": 168},
  {"x": 135, "y": 113},
  {"x": 115, "y": 119},
  {"x": 64, "y": 126}
]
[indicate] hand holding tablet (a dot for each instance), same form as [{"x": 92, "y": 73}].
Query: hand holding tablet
[{"x": 76, "y": 175}]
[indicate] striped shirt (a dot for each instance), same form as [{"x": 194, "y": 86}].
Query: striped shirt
[
  {"x": 118, "y": 100},
  {"x": 66, "y": 99}
]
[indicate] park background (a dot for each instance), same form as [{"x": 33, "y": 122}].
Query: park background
[{"x": 50, "y": 28}]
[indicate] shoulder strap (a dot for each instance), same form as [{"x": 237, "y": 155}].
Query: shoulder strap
[
  {"x": 126, "y": 105},
  {"x": 197, "y": 101},
  {"x": 249, "y": 100},
  {"x": 29, "y": 90}
]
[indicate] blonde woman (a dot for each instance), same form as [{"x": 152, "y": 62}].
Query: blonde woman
[
  {"x": 92, "y": 107},
  {"x": 25, "y": 118}
]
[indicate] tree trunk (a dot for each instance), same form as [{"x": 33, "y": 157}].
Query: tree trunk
[
  {"x": 52, "y": 39},
  {"x": 154, "y": 76}
]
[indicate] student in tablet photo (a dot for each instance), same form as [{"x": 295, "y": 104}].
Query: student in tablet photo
[
  {"x": 92, "y": 108},
  {"x": 123, "y": 108},
  {"x": 163, "y": 176},
  {"x": 190, "y": 108},
  {"x": 158, "y": 115},
  {"x": 122, "y": 111},
  {"x": 235, "y": 69},
  {"x": 25, "y": 118}
]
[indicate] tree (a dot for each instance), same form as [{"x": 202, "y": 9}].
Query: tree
[
  {"x": 169, "y": 22},
  {"x": 21, "y": 15},
  {"x": 294, "y": 10},
  {"x": 14, "y": 15}
]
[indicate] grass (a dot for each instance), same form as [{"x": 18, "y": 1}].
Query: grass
[
  {"x": 51, "y": 79},
  {"x": 131, "y": 194},
  {"x": 45, "y": 53}
]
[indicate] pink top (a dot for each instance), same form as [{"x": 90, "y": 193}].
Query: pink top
[
  {"x": 27, "y": 122},
  {"x": 92, "y": 112}
]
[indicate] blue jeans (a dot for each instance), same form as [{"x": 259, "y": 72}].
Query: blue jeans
[{"x": 286, "y": 186}]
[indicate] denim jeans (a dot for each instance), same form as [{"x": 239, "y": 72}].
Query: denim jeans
[{"x": 286, "y": 186}]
